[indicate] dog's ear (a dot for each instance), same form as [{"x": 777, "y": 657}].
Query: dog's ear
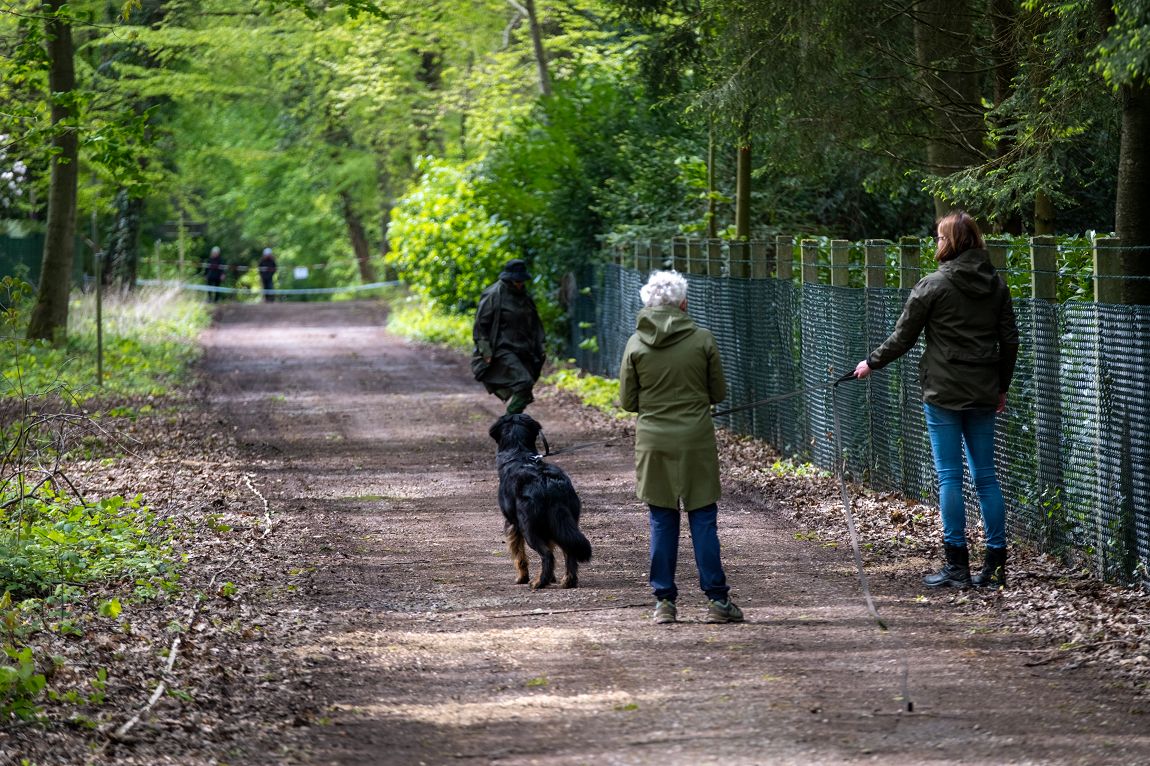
[{"x": 496, "y": 430}]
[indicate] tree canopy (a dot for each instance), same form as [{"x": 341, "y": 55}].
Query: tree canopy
[{"x": 327, "y": 131}]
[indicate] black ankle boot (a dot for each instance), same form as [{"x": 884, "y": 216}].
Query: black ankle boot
[
  {"x": 956, "y": 573},
  {"x": 993, "y": 569}
]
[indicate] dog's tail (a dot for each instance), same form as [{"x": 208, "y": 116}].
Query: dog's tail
[{"x": 573, "y": 542}]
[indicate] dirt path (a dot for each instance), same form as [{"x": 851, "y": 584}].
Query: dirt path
[{"x": 421, "y": 649}]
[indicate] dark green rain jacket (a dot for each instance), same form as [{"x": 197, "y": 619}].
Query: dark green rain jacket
[
  {"x": 671, "y": 374},
  {"x": 971, "y": 336},
  {"x": 516, "y": 350}
]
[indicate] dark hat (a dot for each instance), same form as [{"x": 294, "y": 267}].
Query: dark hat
[{"x": 515, "y": 270}]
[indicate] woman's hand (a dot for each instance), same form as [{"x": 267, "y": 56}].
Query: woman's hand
[
  {"x": 862, "y": 369},
  {"x": 1001, "y": 403}
]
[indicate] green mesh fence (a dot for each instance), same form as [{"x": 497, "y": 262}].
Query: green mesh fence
[{"x": 1073, "y": 445}]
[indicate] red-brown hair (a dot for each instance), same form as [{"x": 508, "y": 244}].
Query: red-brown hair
[{"x": 957, "y": 233}]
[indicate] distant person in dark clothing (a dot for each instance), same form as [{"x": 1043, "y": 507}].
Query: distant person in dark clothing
[
  {"x": 965, "y": 311},
  {"x": 508, "y": 335},
  {"x": 267, "y": 269},
  {"x": 214, "y": 273}
]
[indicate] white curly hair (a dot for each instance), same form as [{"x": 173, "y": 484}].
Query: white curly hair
[{"x": 664, "y": 288}]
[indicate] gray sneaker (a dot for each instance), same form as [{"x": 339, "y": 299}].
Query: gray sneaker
[
  {"x": 665, "y": 611},
  {"x": 723, "y": 611}
]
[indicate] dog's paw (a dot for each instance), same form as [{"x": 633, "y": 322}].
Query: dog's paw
[
  {"x": 569, "y": 582},
  {"x": 541, "y": 583},
  {"x": 522, "y": 579}
]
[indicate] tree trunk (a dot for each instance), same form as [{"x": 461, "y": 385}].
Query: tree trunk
[
  {"x": 1131, "y": 216},
  {"x": 537, "y": 42},
  {"x": 712, "y": 211},
  {"x": 1044, "y": 213},
  {"x": 743, "y": 182},
  {"x": 123, "y": 249},
  {"x": 49, "y": 320},
  {"x": 1003, "y": 21},
  {"x": 944, "y": 48},
  {"x": 358, "y": 237},
  {"x": 743, "y": 191}
]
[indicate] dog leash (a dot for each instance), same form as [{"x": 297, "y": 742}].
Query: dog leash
[
  {"x": 781, "y": 397},
  {"x": 848, "y": 513},
  {"x": 548, "y": 453}
]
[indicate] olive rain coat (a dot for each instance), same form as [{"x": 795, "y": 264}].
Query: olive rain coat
[
  {"x": 971, "y": 336},
  {"x": 671, "y": 374},
  {"x": 516, "y": 351}
]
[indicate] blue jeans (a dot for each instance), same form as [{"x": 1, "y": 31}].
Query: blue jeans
[
  {"x": 949, "y": 429},
  {"x": 705, "y": 541}
]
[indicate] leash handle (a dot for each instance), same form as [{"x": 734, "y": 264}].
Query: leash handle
[{"x": 844, "y": 378}]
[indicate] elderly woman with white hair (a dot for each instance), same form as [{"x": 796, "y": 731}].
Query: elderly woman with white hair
[{"x": 671, "y": 374}]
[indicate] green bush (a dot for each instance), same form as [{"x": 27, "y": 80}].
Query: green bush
[{"x": 445, "y": 245}]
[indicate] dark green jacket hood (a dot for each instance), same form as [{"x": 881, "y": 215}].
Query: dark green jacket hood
[
  {"x": 971, "y": 273},
  {"x": 663, "y": 326}
]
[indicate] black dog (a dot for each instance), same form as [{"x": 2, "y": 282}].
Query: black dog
[{"x": 539, "y": 504}]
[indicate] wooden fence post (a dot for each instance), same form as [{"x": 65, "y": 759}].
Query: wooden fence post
[
  {"x": 1047, "y": 387},
  {"x": 810, "y": 253},
  {"x": 840, "y": 262},
  {"x": 1044, "y": 268},
  {"x": 784, "y": 258},
  {"x": 909, "y": 258},
  {"x": 1107, "y": 269},
  {"x": 679, "y": 255},
  {"x": 876, "y": 263},
  {"x": 997, "y": 250},
  {"x": 696, "y": 261},
  {"x": 714, "y": 248},
  {"x": 739, "y": 254},
  {"x": 760, "y": 263}
]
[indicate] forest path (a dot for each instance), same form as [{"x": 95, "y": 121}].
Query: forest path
[{"x": 423, "y": 651}]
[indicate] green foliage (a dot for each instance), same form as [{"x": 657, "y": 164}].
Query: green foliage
[
  {"x": 20, "y": 685},
  {"x": 445, "y": 244},
  {"x": 592, "y": 390},
  {"x": 419, "y": 321},
  {"x": 50, "y": 540}
]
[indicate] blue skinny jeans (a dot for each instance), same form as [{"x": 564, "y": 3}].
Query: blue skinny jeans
[
  {"x": 705, "y": 541},
  {"x": 949, "y": 430}
]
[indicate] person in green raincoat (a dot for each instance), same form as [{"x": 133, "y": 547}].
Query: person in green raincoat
[
  {"x": 508, "y": 337},
  {"x": 671, "y": 374}
]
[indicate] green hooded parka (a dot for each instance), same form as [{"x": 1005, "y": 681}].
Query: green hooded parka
[{"x": 671, "y": 374}]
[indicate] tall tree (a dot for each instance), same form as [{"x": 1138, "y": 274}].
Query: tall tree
[
  {"x": 1124, "y": 58},
  {"x": 49, "y": 318}
]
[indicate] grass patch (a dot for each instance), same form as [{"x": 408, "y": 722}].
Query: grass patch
[
  {"x": 148, "y": 342},
  {"x": 415, "y": 320}
]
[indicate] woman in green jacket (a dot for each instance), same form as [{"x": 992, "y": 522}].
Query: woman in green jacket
[
  {"x": 671, "y": 374},
  {"x": 966, "y": 367}
]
